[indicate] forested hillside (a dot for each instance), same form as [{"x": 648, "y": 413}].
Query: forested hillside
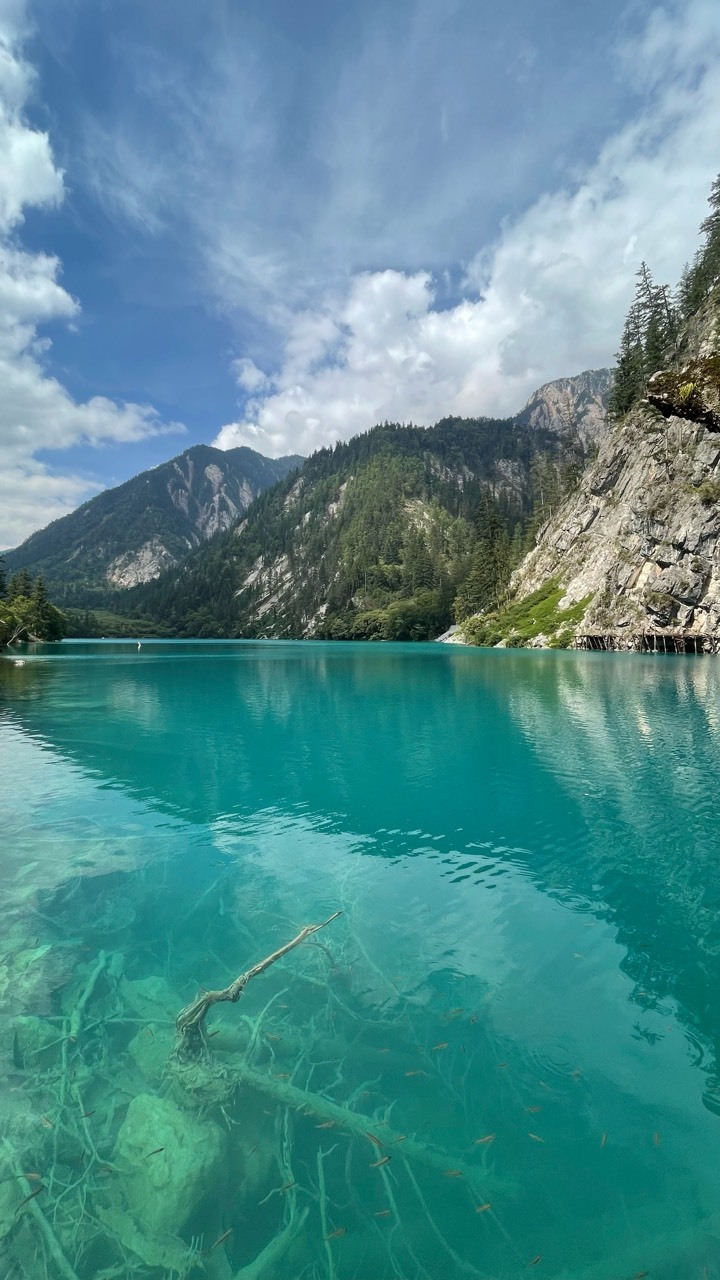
[{"x": 392, "y": 535}]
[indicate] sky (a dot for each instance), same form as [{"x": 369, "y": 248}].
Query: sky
[{"x": 276, "y": 224}]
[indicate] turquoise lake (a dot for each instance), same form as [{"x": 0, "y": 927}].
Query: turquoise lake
[{"x": 499, "y": 1061}]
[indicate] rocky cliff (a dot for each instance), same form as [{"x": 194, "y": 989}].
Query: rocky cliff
[
  {"x": 577, "y": 404},
  {"x": 633, "y": 556}
]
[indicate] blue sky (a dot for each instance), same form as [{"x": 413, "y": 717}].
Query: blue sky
[{"x": 275, "y": 224}]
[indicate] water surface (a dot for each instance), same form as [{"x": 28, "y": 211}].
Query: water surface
[{"x": 524, "y": 848}]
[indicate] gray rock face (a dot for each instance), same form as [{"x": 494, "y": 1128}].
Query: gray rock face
[
  {"x": 577, "y": 405},
  {"x": 143, "y": 565},
  {"x": 642, "y": 532}
]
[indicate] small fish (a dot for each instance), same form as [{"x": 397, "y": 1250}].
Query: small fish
[
  {"x": 377, "y": 1163},
  {"x": 156, "y": 1152},
  {"x": 452, "y": 1173},
  {"x": 656, "y": 1139},
  {"x": 32, "y": 1177},
  {"x": 329, "y": 1124},
  {"x": 483, "y": 1208},
  {"x": 480, "y": 1142},
  {"x": 150, "y": 1032},
  {"x": 340, "y": 1231},
  {"x": 401, "y": 1138},
  {"x": 382, "y": 1213},
  {"x": 416, "y": 1073},
  {"x": 603, "y": 1140},
  {"x": 443, "y": 1045},
  {"x": 502, "y": 1066},
  {"x": 47, "y": 1124},
  {"x": 288, "y": 1185},
  {"x": 104, "y": 1171},
  {"x": 31, "y": 1196},
  {"x": 639, "y": 1275},
  {"x": 86, "y": 1115},
  {"x": 462, "y": 1048},
  {"x": 210, "y": 1034},
  {"x": 270, "y": 1035},
  {"x": 543, "y": 1085},
  {"x": 454, "y": 1012},
  {"x": 219, "y": 1240},
  {"x": 383, "y": 1050},
  {"x": 71, "y": 1039},
  {"x": 536, "y": 1137},
  {"x": 372, "y": 1138},
  {"x": 533, "y": 1110},
  {"x": 254, "y": 1149},
  {"x": 576, "y": 1074},
  {"x": 578, "y": 955},
  {"x": 474, "y": 1018},
  {"x": 282, "y": 1075},
  {"x": 534, "y": 1261}
]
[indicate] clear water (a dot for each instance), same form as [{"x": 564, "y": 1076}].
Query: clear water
[{"x": 524, "y": 847}]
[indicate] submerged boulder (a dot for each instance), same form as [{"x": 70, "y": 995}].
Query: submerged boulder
[{"x": 169, "y": 1161}]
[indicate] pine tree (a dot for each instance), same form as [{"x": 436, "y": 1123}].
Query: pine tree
[
  {"x": 3, "y": 578},
  {"x": 20, "y": 585},
  {"x": 698, "y": 278},
  {"x": 490, "y": 564},
  {"x": 710, "y": 228}
]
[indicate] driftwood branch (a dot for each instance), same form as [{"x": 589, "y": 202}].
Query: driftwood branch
[{"x": 190, "y": 1020}]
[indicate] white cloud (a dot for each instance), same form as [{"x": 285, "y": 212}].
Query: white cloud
[
  {"x": 36, "y": 411},
  {"x": 547, "y": 300}
]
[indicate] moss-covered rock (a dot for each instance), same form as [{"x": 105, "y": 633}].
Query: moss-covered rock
[{"x": 693, "y": 392}]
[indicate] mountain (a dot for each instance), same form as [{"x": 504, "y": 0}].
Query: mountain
[
  {"x": 388, "y": 536},
  {"x": 133, "y": 533},
  {"x": 576, "y": 404},
  {"x": 631, "y": 559}
]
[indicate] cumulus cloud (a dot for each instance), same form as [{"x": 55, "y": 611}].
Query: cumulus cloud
[
  {"x": 36, "y": 412},
  {"x": 547, "y": 299}
]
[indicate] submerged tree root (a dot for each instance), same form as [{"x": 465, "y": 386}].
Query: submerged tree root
[
  {"x": 265, "y": 1265},
  {"x": 283, "y": 1093},
  {"x": 51, "y": 1241},
  {"x": 190, "y": 1020}
]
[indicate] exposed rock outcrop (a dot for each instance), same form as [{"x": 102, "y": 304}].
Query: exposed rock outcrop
[
  {"x": 577, "y": 405},
  {"x": 641, "y": 534}
]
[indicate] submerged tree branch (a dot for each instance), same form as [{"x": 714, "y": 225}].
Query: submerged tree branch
[{"x": 190, "y": 1021}]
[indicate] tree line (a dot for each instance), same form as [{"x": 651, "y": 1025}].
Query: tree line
[
  {"x": 657, "y": 312},
  {"x": 26, "y": 613}
]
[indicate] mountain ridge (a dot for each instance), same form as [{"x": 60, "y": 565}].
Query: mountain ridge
[
  {"x": 133, "y": 532},
  {"x": 380, "y": 537}
]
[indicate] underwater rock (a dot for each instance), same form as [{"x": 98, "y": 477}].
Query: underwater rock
[
  {"x": 169, "y": 1160},
  {"x": 36, "y": 1043},
  {"x": 150, "y": 1050},
  {"x": 152, "y": 999}
]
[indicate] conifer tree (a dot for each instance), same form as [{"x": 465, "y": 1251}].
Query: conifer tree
[
  {"x": 20, "y": 585},
  {"x": 699, "y": 277}
]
